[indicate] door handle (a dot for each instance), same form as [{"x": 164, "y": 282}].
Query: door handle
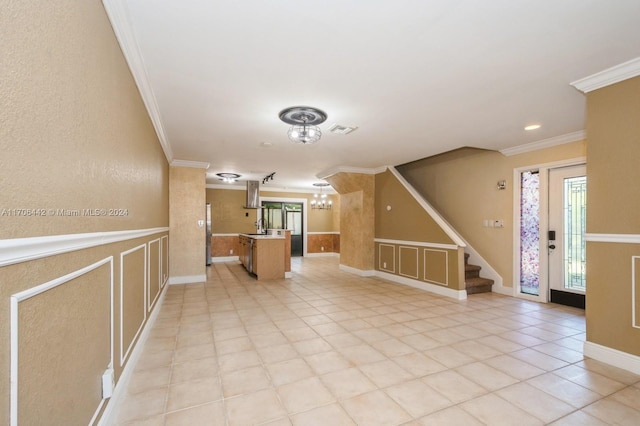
[{"x": 552, "y": 246}]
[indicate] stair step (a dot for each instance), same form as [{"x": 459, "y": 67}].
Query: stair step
[{"x": 478, "y": 285}]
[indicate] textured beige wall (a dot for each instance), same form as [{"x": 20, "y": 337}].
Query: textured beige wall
[
  {"x": 74, "y": 132},
  {"x": 74, "y": 135},
  {"x": 461, "y": 186},
  {"x": 357, "y": 219},
  {"x": 613, "y": 202},
  {"x": 187, "y": 206}
]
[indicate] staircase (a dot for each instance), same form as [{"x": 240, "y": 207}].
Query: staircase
[{"x": 473, "y": 281}]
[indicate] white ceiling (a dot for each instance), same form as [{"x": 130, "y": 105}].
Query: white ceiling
[{"x": 418, "y": 77}]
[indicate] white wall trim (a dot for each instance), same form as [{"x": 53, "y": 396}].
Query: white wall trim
[
  {"x": 323, "y": 254},
  {"x": 612, "y": 238},
  {"x": 164, "y": 279},
  {"x": 222, "y": 259},
  {"x": 347, "y": 169},
  {"x": 328, "y": 190},
  {"x": 432, "y": 288},
  {"x": 356, "y": 271},
  {"x": 125, "y": 354},
  {"x": 151, "y": 303},
  {"x": 121, "y": 23},
  {"x": 110, "y": 414},
  {"x": 187, "y": 163},
  {"x": 305, "y": 215},
  {"x": 16, "y": 298},
  {"x": 634, "y": 308},
  {"x": 417, "y": 243},
  {"x": 545, "y": 143},
  {"x": 225, "y": 235},
  {"x": 380, "y": 265},
  {"x": 448, "y": 229},
  {"x": 324, "y": 233},
  {"x": 615, "y": 74},
  {"x": 19, "y": 250},
  {"x": 611, "y": 356},
  {"x": 188, "y": 279}
]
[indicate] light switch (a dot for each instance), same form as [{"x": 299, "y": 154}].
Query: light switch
[{"x": 200, "y": 223}]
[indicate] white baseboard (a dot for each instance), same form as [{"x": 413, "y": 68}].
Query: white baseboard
[
  {"x": 432, "y": 288},
  {"x": 360, "y": 272},
  {"x": 507, "y": 291},
  {"x": 110, "y": 414},
  {"x": 222, "y": 259},
  {"x": 611, "y": 356},
  {"x": 188, "y": 279},
  {"x": 323, "y": 254}
]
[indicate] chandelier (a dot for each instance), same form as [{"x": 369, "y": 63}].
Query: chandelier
[
  {"x": 304, "y": 121},
  {"x": 319, "y": 201}
]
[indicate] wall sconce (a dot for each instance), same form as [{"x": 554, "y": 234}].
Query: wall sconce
[{"x": 502, "y": 184}]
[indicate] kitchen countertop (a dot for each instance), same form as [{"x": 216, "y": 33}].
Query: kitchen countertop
[{"x": 264, "y": 236}]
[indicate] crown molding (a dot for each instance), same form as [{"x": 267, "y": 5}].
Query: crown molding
[
  {"x": 545, "y": 143},
  {"x": 187, "y": 163},
  {"x": 121, "y": 23},
  {"x": 347, "y": 169},
  {"x": 609, "y": 76},
  {"x": 327, "y": 190}
]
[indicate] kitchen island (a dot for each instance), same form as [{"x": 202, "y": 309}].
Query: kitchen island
[{"x": 265, "y": 256}]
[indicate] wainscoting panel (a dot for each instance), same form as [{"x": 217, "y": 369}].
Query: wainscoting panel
[
  {"x": 62, "y": 333},
  {"x": 387, "y": 258},
  {"x": 224, "y": 245},
  {"x": 408, "y": 261},
  {"x": 436, "y": 266},
  {"x": 154, "y": 263},
  {"x": 635, "y": 291},
  {"x": 133, "y": 312},
  {"x": 164, "y": 249}
]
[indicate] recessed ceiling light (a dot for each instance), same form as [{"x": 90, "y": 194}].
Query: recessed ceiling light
[{"x": 533, "y": 127}]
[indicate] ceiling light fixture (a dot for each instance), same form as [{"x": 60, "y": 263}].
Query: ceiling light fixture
[
  {"x": 533, "y": 127},
  {"x": 321, "y": 203},
  {"x": 304, "y": 121},
  {"x": 228, "y": 177}
]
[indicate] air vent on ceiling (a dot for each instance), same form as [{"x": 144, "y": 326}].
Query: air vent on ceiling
[{"x": 342, "y": 130}]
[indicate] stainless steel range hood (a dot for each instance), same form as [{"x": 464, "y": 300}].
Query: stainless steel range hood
[{"x": 253, "y": 195}]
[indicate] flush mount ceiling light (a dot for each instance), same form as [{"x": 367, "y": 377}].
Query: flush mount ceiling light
[
  {"x": 228, "y": 177},
  {"x": 533, "y": 127},
  {"x": 304, "y": 121}
]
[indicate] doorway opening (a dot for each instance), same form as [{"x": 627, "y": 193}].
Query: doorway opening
[
  {"x": 550, "y": 209},
  {"x": 287, "y": 213}
]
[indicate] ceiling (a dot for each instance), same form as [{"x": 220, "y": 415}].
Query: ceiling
[{"x": 417, "y": 77}]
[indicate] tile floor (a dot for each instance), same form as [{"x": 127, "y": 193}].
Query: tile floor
[{"x": 330, "y": 348}]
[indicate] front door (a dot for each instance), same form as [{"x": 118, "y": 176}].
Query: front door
[{"x": 566, "y": 244}]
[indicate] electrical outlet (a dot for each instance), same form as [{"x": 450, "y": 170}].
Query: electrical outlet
[
  {"x": 498, "y": 223},
  {"x": 231, "y": 251},
  {"x": 384, "y": 265},
  {"x": 321, "y": 248}
]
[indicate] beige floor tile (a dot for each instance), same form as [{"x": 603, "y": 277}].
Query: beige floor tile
[
  {"x": 254, "y": 408},
  {"x": 590, "y": 380},
  {"x": 393, "y": 347},
  {"x": 535, "y": 402},
  {"x": 452, "y": 416},
  {"x": 228, "y": 333},
  {"x": 500, "y": 344},
  {"x": 560, "y": 352},
  {"x": 420, "y": 342},
  {"x": 565, "y": 390},
  {"x": 244, "y": 381},
  {"x": 476, "y": 349},
  {"x": 268, "y": 339},
  {"x": 347, "y": 383},
  {"x": 495, "y": 411},
  {"x": 194, "y": 352},
  {"x": 448, "y": 356},
  {"x": 613, "y": 412},
  {"x": 486, "y": 376},
  {"x": 193, "y": 370},
  {"x": 418, "y": 365},
  {"x": 273, "y": 354},
  {"x": 213, "y": 414},
  {"x": 160, "y": 344},
  {"x": 514, "y": 367},
  {"x": 385, "y": 373},
  {"x": 361, "y": 354},
  {"x": 236, "y": 344},
  {"x": 343, "y": 340},
  {"x": 538, "y": 359},
  {"x": 289, "y": 371},
  {"x": 454, "y": 386},
  {"x": 332, "y": 414},
  {"x": 304, "y": 395},
  {"x": 327, "y": 362},
  {"x": 238, "y": 361},
  {"x": 417, "y": 398},
  {"x": 328, "y": 329},
  {"x": 150, "y": 421},
  {"x": 143, "y": 405},
  {"x": 371, "y": 335},
  {"x": 192, "y": 393},
  {"x": 300, "y": 333},
  {"x": 375, "y": 408},
  {"x": 144, "y": 380},
  {"x": 629, "y": 396},
  {"x": 614, "y": 373},
  {"x": 150, "y": 361},
  {"x": 312, "y": 346},
  {"x": 579, "y": 418}
]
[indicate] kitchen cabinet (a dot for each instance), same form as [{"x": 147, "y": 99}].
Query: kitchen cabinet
[{"x": 263, "y": 256}]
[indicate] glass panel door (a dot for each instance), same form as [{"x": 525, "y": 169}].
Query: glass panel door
[{"x": 530, "y": 233}]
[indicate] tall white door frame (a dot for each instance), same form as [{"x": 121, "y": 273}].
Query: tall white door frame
[
  {"x": 304, "y": 215},
  {"x": 543, "y": 169}
]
